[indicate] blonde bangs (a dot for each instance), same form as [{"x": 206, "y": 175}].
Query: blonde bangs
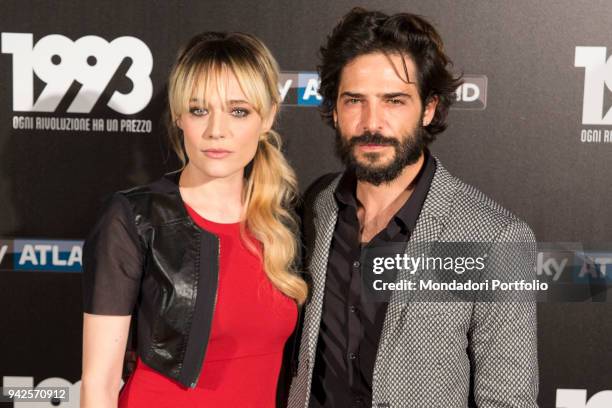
[{"x": 198, "y": 82}]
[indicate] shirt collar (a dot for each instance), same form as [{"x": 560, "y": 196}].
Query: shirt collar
[
  {"x": 406, "y": 217},
  {"x": 409, "y": 212}
]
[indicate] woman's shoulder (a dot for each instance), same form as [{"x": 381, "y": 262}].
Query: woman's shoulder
[
  {"x": 165, "y": 185},
  {"x": 157, "y": 201},
  {"x": 130, "y": 211}
]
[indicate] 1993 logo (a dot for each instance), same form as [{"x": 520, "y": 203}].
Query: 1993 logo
[{"x": 91, "y": 61}]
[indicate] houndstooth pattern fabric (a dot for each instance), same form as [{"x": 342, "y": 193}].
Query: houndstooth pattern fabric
[{"x": 434, "y": 354}]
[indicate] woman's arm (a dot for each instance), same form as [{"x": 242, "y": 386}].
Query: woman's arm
[
  {"x": 112, "y": 270},
  {"x": 104, "y": 343}
]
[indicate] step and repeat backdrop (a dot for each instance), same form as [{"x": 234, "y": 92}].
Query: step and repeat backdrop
[{"x": 82, "y": 114}]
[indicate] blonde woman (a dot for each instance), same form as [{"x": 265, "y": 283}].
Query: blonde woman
[{"x": 202, "y": 258}]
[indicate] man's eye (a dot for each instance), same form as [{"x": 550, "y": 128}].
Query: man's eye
[
  {"x": 240, "y": 112},
  {"x": 198, "y": 111},
  {"x": 396, "y": 101},
  {"x": 353, "y": 101}
]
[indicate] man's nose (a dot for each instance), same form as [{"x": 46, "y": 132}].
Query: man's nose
[{"x": 371, "y": 119}]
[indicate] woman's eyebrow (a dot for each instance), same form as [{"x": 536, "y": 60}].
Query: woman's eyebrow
[
  {"x": 230, "y": 102},
  {"x": 238, "y": 101}
]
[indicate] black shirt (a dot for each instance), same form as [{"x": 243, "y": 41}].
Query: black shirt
[{"x": 350, "y": 326}]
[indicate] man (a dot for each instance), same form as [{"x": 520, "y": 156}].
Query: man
[{"x": 386, "y": 91}]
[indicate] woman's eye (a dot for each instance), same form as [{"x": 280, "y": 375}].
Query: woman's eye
[
  {"x": 240, "y": 112},
  {"x": 198, "y": 111}
]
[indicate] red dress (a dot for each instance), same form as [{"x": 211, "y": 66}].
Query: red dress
[{"x": 251, "y": 324}]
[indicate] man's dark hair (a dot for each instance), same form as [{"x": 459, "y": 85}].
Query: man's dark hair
[{"x": 363, "y": 32}]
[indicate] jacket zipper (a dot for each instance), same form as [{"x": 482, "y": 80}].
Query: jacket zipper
[{"x": 201, "y": 362}]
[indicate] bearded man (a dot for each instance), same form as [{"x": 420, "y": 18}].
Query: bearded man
[{"x": 387, "y": 89}]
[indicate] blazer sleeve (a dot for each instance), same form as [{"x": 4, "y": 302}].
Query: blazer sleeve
[
  {"x": 503, "y": 335},
  {"x": 112, "y": 261}
]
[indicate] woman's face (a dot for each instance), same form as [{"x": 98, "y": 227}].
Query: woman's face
[{"x": 221, "y": 136}]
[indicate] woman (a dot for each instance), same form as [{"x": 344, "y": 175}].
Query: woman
[{"x": 203, "y": 257}]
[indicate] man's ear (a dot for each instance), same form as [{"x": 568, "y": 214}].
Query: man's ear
[
  {"x": 430, "y": 110},
  {"x": 335, "y": 116}
]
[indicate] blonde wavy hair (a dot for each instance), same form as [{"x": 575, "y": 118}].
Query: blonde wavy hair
[{"x": 270, "y": 183}]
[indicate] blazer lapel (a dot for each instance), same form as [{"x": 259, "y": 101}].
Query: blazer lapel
[
  {"x": 325, "y": 216},
  {"x": 428, "y": 231}
]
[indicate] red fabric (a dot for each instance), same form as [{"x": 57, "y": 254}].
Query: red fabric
[{"x": 251, "y": 323}]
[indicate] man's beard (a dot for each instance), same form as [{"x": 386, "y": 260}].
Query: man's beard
[{"x": 408, "y": 149}]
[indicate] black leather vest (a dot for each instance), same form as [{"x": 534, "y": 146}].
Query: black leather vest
[{"x": 179, "y": 282}]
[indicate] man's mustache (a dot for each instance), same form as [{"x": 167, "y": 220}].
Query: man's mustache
[{"x": 373, "y": 138}]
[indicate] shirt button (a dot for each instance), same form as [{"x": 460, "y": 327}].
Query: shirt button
[
  {"x": 356, "y": 264},
  {"x": 353, "y": 309},
  {"x": 352, "y": 356},
  {"x": 358, "y": 402}
]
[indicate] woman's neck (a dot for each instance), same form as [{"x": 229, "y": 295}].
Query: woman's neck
[{"x": 217, "y": 199}]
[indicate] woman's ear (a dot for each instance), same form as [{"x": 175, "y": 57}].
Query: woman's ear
[
  {"x": 178, "y": 123},
  {"x": 269, "y": 119}
]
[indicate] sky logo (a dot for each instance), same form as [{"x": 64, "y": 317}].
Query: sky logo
[
  {"x": 47, "y": 255},
  {"x": 550, "y": 264},
  {"x": 299, "y": 88},
  {"x": 302, "y": 89}
]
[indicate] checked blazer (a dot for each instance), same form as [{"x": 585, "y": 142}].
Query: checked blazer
[{"x": 437, "y": 354}]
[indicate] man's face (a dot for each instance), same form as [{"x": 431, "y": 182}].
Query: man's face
[{"x": 379, "y": 117}]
